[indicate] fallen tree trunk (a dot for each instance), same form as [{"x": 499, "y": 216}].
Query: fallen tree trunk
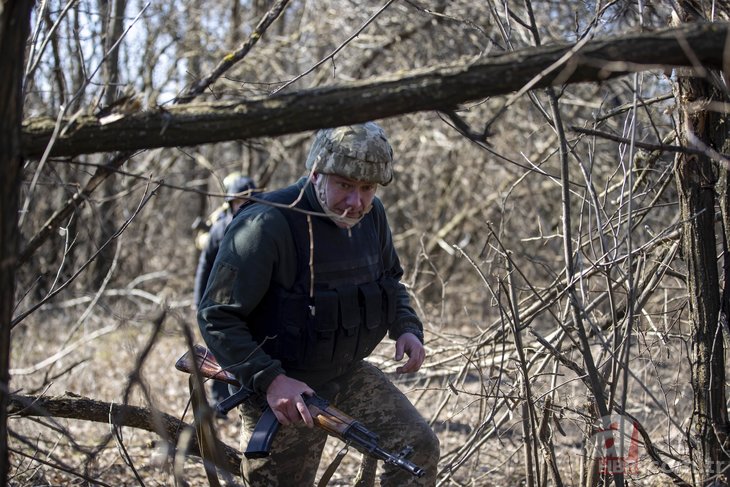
[
  {"x": 82, "y": 408},
  {"x": 442, "y": 88}
]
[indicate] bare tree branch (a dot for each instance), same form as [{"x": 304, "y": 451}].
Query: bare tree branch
[{"x": 232, "y": 58}]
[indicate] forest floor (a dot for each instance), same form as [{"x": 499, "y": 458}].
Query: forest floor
[
  {"x": 99, "y": 366},
  {"x": 100, "y": 370}
]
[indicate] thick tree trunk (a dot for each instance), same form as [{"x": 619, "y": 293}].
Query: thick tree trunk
[
  {"x": 696, "y": 181},
  {"x": 14, "y": 29}
]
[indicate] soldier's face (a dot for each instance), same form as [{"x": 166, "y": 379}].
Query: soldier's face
[{"x": 348, "y": 197}]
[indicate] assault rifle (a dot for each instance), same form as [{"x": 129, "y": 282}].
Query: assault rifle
[{"x": 333, "y": 421}]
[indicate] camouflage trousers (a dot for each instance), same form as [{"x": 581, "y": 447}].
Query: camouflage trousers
[{"x": 365, "y": 394}]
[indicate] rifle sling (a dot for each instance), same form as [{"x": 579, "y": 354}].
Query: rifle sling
[{"x": 327, "y": 475}]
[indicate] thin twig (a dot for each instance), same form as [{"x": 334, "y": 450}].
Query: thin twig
[
  {"x": 62, "y": 468},
  {"x": 232, "y": 58},
  {"x": 652, "y": 147},
  {"x": 337, "y": 49},
  {"x": 18, "y": 319}
]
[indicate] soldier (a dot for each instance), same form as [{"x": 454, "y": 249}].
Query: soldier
[
  {"x": 235, "y": 184},
  {"x": 298, "y": 297}
]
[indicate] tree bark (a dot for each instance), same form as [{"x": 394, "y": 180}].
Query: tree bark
[
  {"x": 696, "y": 177},
  {"x": 112, "y": 28},
  {"x": 14, "y": 30},
  {"x": 419, "y": 90}
]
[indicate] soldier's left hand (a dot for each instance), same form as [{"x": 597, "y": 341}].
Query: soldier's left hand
[{"x": 409, "y": 344}]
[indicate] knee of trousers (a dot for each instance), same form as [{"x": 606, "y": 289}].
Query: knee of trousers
[{"x": 426, "y": 444}]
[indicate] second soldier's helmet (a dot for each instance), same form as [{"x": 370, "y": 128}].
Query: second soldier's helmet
[
  {"x": 360, "y": 152},
  {"x": 238, "y": 184}
]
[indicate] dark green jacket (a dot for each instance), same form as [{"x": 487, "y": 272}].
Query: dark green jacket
[{"x": 258, "y": 251}]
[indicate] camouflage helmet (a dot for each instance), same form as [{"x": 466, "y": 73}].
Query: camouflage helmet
[{"x": 359, "y": 152}]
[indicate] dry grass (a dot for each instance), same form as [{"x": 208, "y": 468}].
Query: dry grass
[
  {"x": 101, "y": 371},
  {"x": 470, "y": 392}
]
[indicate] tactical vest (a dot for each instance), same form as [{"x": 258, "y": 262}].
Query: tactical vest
[{"x": 352, "y": 304}]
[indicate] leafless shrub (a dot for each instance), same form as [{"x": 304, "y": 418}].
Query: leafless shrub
[{"x": 530, "y": 344}]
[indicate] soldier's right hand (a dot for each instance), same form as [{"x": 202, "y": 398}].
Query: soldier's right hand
[{"x": 284, "y": 396}]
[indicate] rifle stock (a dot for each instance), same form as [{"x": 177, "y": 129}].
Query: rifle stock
[
  {"x": 330, "y": 419},
  {"x": 206, "y": 364}
]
